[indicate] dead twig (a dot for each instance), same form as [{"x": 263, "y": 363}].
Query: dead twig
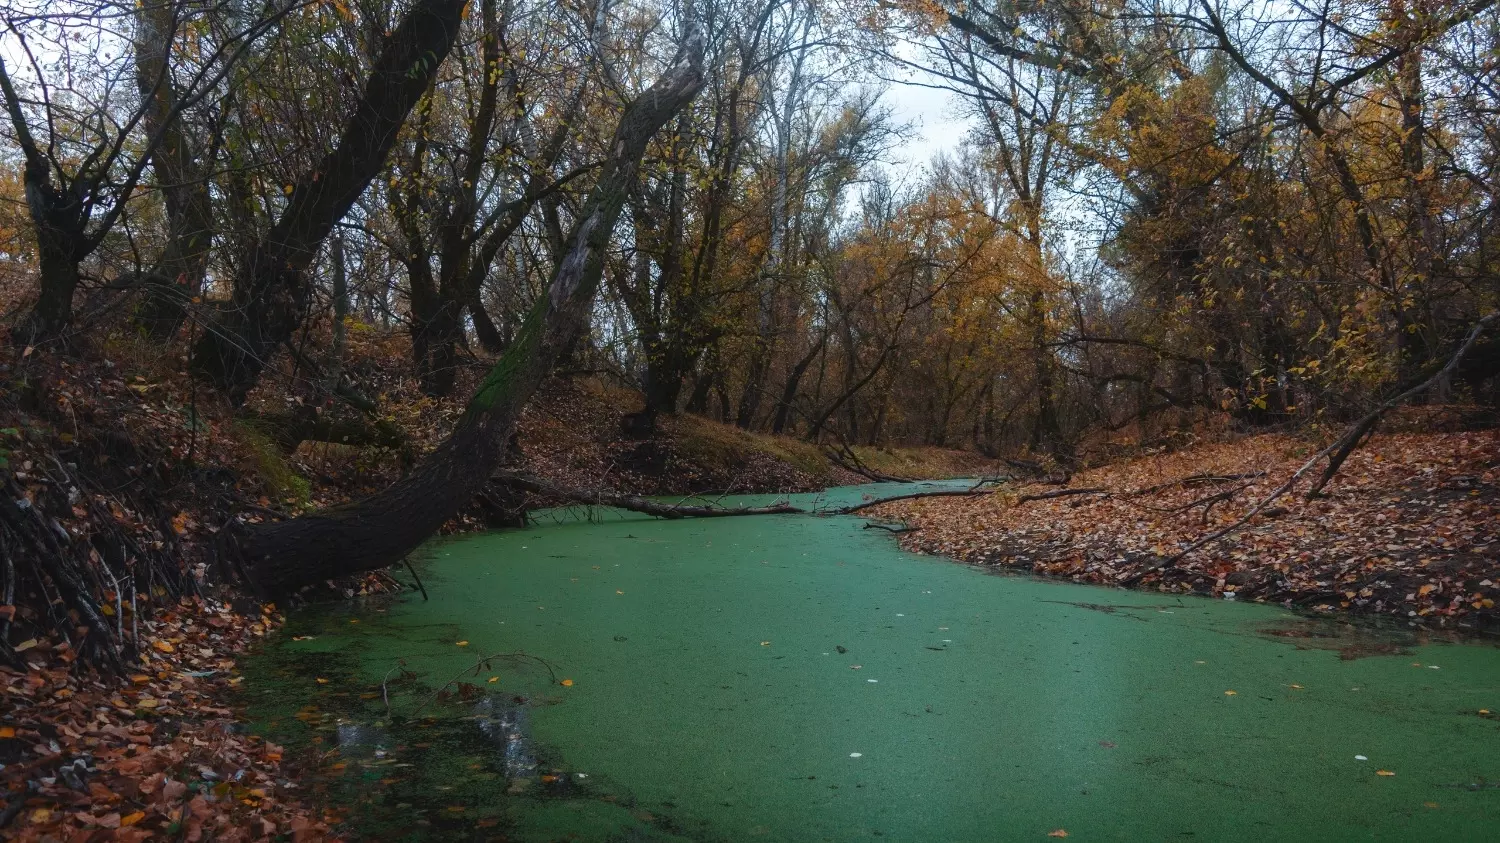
[
  {"x": 414, "y": 576},
  {"x": 481, "y": 666},
  {"x": 892, "y": 528},
  {"x": 1196, "y": 479},
  {"x": 1062, "y": 493}
]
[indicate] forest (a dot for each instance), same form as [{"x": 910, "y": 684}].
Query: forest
[{"x": 1196, "y": 297}]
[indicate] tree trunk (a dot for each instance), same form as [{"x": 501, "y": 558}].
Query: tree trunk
[
  {"x": 270, "y": 298},
  {"x": 59, "y": 279},
  {"x": 179, "y": 177},
  {"x": 381, "y": 529},
  {"x": 793, "y": 381}
]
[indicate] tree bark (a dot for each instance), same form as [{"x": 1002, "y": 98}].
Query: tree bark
[{"x": 382, "y": 529}]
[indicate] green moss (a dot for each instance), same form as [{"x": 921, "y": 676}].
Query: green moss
[{"x": 278, "y": 480}]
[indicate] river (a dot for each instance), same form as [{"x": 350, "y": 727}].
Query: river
[{"x": 799, "y": 677}]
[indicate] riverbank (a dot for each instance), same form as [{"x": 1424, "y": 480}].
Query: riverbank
[
  {"x": 1409, "y": 529},
  {"x": 123, "y": 450}
]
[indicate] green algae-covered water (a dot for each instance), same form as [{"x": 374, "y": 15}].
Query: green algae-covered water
[{"x": 801, "y": 678}]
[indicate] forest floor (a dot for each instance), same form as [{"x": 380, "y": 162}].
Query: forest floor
[{"x": 1410, "y": 527}]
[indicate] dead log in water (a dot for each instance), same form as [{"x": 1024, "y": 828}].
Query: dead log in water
[{"x": 633, "y": 503}]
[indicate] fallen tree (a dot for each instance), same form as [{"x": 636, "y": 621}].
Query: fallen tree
[
  {"x": 634, "y": 503},
  {"x": 380, "y": 530},
  {"x": 971, "y": 492}
]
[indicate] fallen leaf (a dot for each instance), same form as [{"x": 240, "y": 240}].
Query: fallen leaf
[
  {"x": 1230, "y": 693},
  {"x": 567, "y": 683},
  {"x": 461, "y": 643},
  {"x": 1384, "y": 773},
  {"x": 765, "y": 643},
  {"x": 1057, "y": 833},
  {"x": 132, "y": 819},
  {"x": 321, "y": 681},
  {"x": 494, "y": 679}
]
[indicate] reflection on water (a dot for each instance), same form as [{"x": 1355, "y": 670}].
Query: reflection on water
[{"x": 504, "y": 725}]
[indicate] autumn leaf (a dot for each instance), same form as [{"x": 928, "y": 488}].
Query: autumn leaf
[
  {"x": 1058, "y": 833},
  {"x": 1230, "y": 693},
  {"x": 461, "y": 643},
  {"x": 1384, "y": 773},
  {"x": 567, "y": 683}
]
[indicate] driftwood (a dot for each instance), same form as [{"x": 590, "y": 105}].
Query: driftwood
[
  {"x": 1062, "y": 493},
  {"x": 972, "y": 492},
  {"x": 892, "y": 528},
  {"x": 634, "y": 503},
  {"x": 1341, "y": 447},
  {"x": 1196, "y": 479}
]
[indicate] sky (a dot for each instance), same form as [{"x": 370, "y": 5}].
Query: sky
[{"x": 932, "y": 115}]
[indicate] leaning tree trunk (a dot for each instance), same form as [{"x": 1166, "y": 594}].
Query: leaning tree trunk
[
  {"x": 381, "y": 529},
  {"x": 271, "y": 296}
]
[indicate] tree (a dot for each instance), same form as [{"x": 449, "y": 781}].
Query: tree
[
  {"x": 381, "y": 529},
  {"x": 271, "y": 291},
  {"x": 83, "y": 157}
]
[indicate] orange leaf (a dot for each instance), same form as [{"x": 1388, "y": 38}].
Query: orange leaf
[
  {"x": 132, "y": 819},
  {"x": 1384, "y": 773},
  {"x": 7, "y": 732},
  {"x": 567, "y": 683},
  {"x": 1058, "y": 833}
]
